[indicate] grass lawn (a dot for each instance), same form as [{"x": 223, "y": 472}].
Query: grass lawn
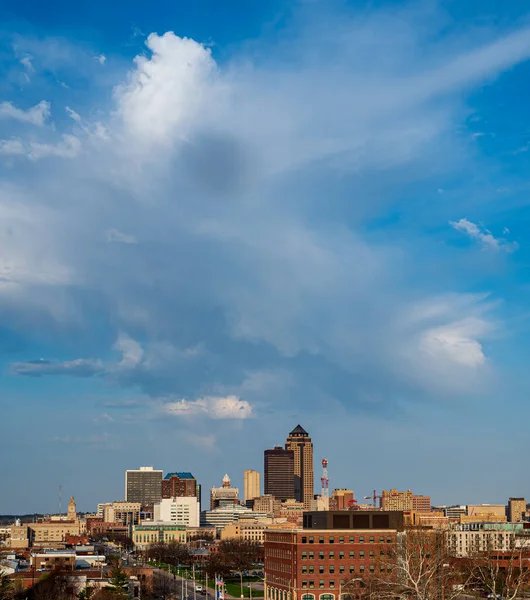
[{"x": 233, "y": 588}]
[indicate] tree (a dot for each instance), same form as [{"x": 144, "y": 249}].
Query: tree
[
  {"x": 216, "y": 565},
  {"x": 56, "y": 585},
  {"x": 503, "y": 572},
  {"x": 118, "y": 581},
  {"x": 239, "y": 555},
  {"x": 415, "y": 567},
  {"x": 6, "y": 586}
]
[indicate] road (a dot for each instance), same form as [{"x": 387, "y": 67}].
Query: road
[{"x": 174, "y": 585}]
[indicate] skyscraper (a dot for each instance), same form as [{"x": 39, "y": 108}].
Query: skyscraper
[
  {"x": 180, "y": 485},
  {"x": 302, "y": 447},
  {"x": 252, "y": 484},
  {"x": 226, "y": 495},
  {"x": 279, "y": 473},
  {"x": 143, "y": 485}
]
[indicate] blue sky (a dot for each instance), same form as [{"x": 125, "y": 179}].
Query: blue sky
[{"x": 218, "y": 220}]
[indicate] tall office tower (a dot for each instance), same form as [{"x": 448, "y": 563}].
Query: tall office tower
[
  {"x": 179, "y": 485},
  {"x": 143, "y": 485},
  {"x": 279, "y": 473},
  {"x": 516, "y": 509},
  {"x": 394, "y": 500},
  {"x": 226, "y": 495},
  {"x": 252, "y": 484},
  {"x": 304, "y": 487}
]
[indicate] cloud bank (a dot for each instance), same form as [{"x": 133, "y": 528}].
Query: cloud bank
[{"x": 251, "y": 189}]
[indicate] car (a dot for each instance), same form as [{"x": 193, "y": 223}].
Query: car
[{"x": 198, "y": 588}]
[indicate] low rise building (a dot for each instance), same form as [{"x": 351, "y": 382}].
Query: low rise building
[
  {"x": 467, "y": 539},
  {"x": 421, "y": 503},
  {"x": 248, "y": 530},
  {"x": 124, "y": 512},
  {"x": 155, "y": 532}
]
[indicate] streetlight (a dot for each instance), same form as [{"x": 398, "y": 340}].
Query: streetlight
[{"x": 347, "y": 583}]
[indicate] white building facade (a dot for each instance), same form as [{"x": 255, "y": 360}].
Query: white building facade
[{"x": 180, "y": 510}]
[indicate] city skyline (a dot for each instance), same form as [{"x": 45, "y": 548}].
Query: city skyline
[
  {"x": 218, "y": 220},
  {"x": 153, "y": 486}
]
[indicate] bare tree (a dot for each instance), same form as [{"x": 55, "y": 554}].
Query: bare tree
[
  {"x": 417, "y": 566},
  {"x": 239, "y": 555},
  {"x": 505, "y": 572}
]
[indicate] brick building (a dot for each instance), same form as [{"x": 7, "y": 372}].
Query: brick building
[
  {"x": 421, "y": 503},
  {"x": 181, "y": 484},
  {"x": 332, "y": 548}
]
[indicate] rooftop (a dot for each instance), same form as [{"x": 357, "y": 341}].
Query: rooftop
[
  {"x": 298, "y": 430},
  {"x": 180, "y": 475}
]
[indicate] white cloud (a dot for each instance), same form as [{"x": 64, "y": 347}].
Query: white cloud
[
  {"x": 13, "y": 147},
  {"x": 68, "y": 147},
  {"x": 215, "y": 407},
  {"x": 131, "y": 351},
  {"x": 114, "y": 235},
  {"x": 168, "y": 90},
  {"x": 26, "y": 62},
  {"x": 37, "y": 115},
  {"x": 101, "y": 59},
  {"x": 457, "y": 342},
  {"x": 485, "y": 237}
]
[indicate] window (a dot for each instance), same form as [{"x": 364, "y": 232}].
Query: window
[
  {"x": 371, "y": 539},
  {"x": 361, "y": 568},
  {"x": 306, "y": 596},
  {"x": 311, "y": 540},
  {"x": 352, "y": 554},
  {"x": 388, "y": 540},
  {"x": 371, "y": 553},
  {"x": 352, "y": 539},
  {"x": 331, "y": 583},
  {"x": 304, "y": 539},
  {"x": 352, "y": 569},
  {"x": 311, "y": 584},
  {"x": 304, "y": 555},
  {"x": 361, "y": 553},
  {"x": 341, "y": 539},
  {"x": 321, "y": 555},
  {"x": 372, "y": 568},
  {"x": 327, "y": 597},
  {"x": 321, "y": 584},
  {"x": 304, "y": 569},
  {"x": 341, "y": 569},
  {"x": 320, "y": 540},
  {"x": 331, "y": 540},
  {"x": 311, "y": 569},
  {"x": 332, "y": 555},
  {"x": 361, "y": 539},
  {"x": 341, "y": 554},
  {"x": 332, "y": 568},
  {"x": 382, "y": 539},
  {"x": 321, "y": 569},
  {"x": 311, "y": 556}
]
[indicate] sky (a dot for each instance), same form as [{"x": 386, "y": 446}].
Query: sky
[{"x": 222, "y": 219}]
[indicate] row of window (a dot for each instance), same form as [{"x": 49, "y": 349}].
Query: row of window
[
  {"x": 331, "y": 540},
  {"x": 321, "y": 555},
  {"x": 331, "y": 569}
]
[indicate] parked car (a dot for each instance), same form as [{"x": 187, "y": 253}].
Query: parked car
[{"x": 199, "y": 588}]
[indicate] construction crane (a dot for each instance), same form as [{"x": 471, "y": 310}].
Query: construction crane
[
  {"x": 374, "y": 498},
  {"x": 324, "y": 480}
]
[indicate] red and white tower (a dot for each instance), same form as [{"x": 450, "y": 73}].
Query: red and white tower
[{"x": 325, "y": 479}]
